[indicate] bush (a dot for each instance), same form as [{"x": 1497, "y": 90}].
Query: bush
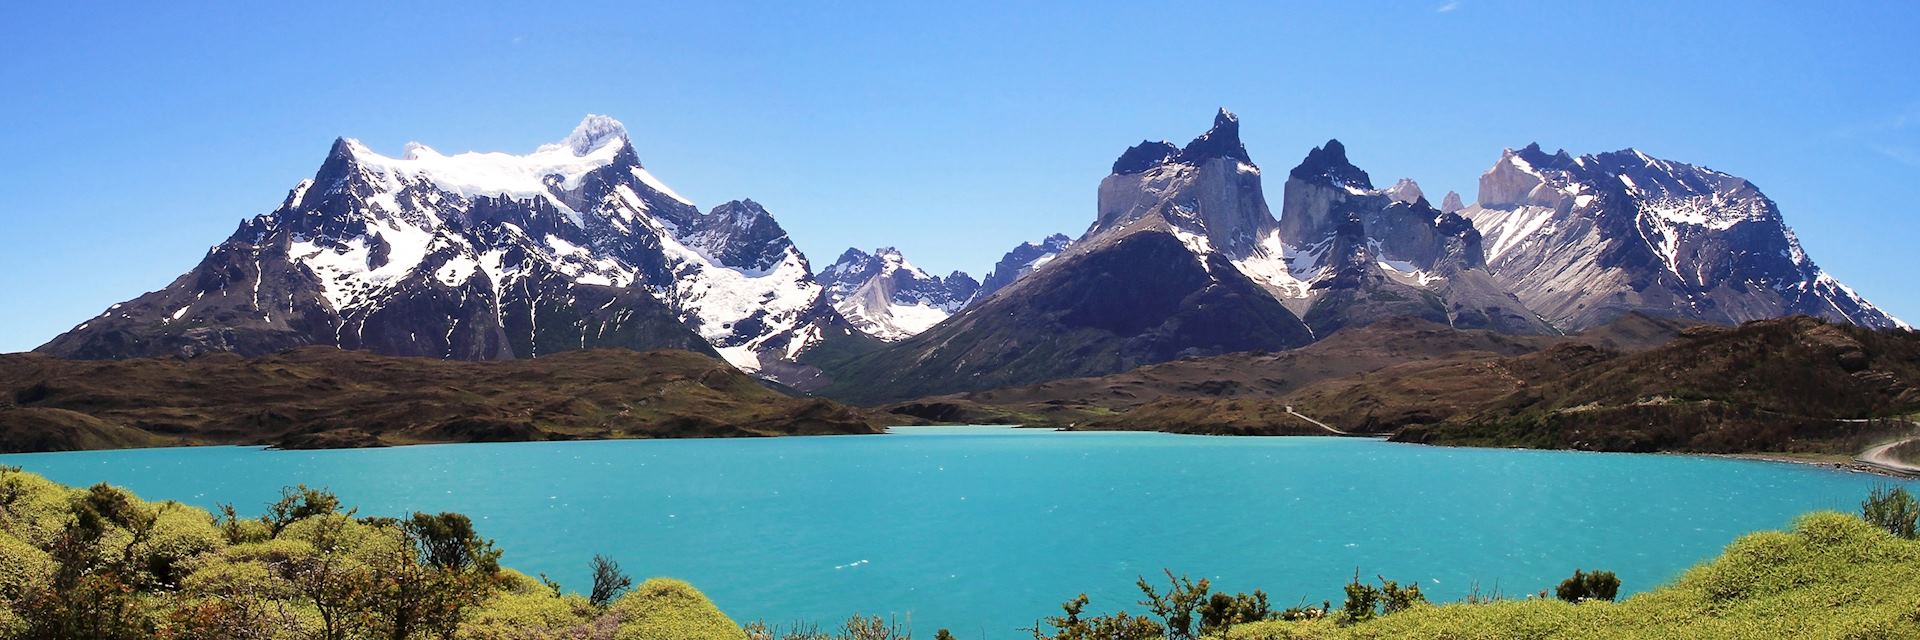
[
  {"x": 1223, "y": 612},
  {"x": 1366, "y": 602},
  {"x": 1175, "y": 607},
  {"x": 1893, "y": 509},
  {"x": 666, "y": 608},
  {"x": 1119, "y": 626},
  {"x": 1583, "y": 586}
]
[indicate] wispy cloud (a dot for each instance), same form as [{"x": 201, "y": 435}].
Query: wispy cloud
[
  {"x": 1898, "y": 154},
  {"x": 1890, "y": 136},
  {"x": 1448, "y": 7}
]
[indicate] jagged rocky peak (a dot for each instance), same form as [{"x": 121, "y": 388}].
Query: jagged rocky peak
[
  {"x": 1519, "y": 176},
  {"x": 1144, "y": 156},
  {"x": 1020, "y": 261},
  {"x": 1208, "y": 193},
  {"x": 1327, "y": 164},
  {"x": 1370, "y": 254},
  {"x": 1451, "y": 203},
  {"x": 1405, "y": 190},
  {"x": 744, "y": 234},
  {"x": 887, "y": 297},
  {"x": 1221, "y": 141},
  {"x": 1322, "y": 193}
]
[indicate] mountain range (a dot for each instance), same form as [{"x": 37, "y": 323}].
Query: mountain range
[{"x": 576, "y": 245}]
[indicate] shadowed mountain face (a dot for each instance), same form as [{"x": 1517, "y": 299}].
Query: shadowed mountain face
[
  {"x": 1152, "y": 280},
  {"x": 1133, "y": 300},
  {"x": 486, "y": 256},
  {"x": 1343, "y": 254},
  {"x": 1582, "y": 240}
]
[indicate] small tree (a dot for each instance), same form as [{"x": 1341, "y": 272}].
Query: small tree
[
  {"x": 944, "y": 634},
  {"x": 1395, "y": 598},
  {"x": 1222, "y": 612},
  {"x": 1893, "y": 509},
  {"x": 444, "y": 569},
  {"x": 1175, "y": 608},
  {"x": 863, "y": 628},
  {"x": 1119, "y": 626},
  {"x": 1583, "y": 586},
  {"x": 298, "y": 503},
  {"x": 1366, "y": 602},
  {"x": 1362, "y": 601},
  {"x": 608, "y": 581}
]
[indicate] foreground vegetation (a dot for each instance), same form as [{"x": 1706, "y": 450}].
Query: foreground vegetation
[
  {"x": 98, "y": 563},
  {"x": 1832, "y": 576}
]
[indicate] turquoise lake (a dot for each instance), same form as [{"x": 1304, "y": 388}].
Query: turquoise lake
[{"x": 983, "y": 529}]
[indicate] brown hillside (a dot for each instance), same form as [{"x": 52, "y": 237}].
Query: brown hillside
[{"x": 324, "y": 397}]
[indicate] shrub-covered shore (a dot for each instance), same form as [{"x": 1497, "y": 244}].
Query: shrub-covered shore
[{"x": 99, "y": 563}]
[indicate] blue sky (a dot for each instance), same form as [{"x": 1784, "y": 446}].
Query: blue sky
[{"x": 136, "y": 136}]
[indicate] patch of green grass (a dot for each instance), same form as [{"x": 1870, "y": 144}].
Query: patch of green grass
[{"x": 1832, "y": 576}]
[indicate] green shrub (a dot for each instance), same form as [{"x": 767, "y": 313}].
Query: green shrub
[
  {"x": 1119, "y": 626},
  {"x": 533, "y": 614},
  {"x": 1893, "y": 509},
  {"x": 1176, "y": 607},
  {"x": 665, "y": 608},
  {"x": 22, "y": 567},
  {"x": 1583, "y": 586},
  {"x": 1366, "y": 602}
]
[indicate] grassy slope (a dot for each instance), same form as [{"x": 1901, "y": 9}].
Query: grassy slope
[
  {"x": 1248, "y": 392},
  {"x": 1790, "y": 385},
  {"x": 323, "y": 397},
  {"x": 1833, "y": 576},
  {"x": 1235, "y": 375}
]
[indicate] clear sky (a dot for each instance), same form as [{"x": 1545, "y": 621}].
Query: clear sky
[{"x": 134, "y": 137}]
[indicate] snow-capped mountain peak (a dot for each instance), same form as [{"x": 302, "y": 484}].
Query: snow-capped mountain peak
[
  {"x": 593, "y": 133},
  {"x": 889, "y": 298},
  {"x": 1584, "y": 239},
  {"x": 483, "y": 255}
]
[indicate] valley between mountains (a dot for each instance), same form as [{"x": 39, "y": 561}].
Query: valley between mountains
[{"x": 1611, "y": 301}]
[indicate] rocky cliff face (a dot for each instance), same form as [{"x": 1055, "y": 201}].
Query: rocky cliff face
[
  {"x": 1153, "y": 279},
  {"x": 485, "y": 256},
  {"x": 1207, "y": 192},
  {"x": 1583, "y": 240},
  {"x": 1368, "y": 254},
  {"x": 888, "y": 298}
]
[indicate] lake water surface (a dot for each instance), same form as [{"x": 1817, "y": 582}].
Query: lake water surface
[{"x": 984, "y": 529}]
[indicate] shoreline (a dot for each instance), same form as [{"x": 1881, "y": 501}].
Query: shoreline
[{"x": 1851, "y": 466}]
